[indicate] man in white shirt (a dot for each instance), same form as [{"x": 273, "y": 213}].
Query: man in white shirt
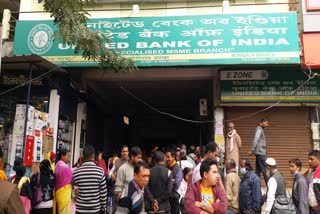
[{"x": 276, "y": 184}]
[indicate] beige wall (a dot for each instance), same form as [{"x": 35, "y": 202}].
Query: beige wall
[{"x": 185, "y": 8}]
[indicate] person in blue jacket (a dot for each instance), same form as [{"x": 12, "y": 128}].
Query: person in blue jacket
[{"x": 250, "y": 190}]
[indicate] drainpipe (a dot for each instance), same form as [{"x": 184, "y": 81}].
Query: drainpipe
[
  {"x": 315, "y": 130},
  {"x": 5, "y": 29}
]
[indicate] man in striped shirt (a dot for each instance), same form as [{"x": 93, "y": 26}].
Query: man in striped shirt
[{"x": 91, "y": 182}]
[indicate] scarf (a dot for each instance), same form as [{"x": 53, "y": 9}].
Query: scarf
[
  {"x": 48, "y": 157},
  {"x": 20, "y": 181},
  {"x": 172, "y": 164},
  {"x": 230, "y": 135}
]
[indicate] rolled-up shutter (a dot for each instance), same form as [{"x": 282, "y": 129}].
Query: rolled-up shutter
[{"x": 288, "y": 136}]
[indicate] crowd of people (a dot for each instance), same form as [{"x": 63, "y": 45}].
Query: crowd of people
[{"x": 171, "y": 180}]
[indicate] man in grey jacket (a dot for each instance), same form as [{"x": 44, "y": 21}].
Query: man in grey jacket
[
  {"x": 259, "y": 148},
  {"x": 300, "y": 187}
]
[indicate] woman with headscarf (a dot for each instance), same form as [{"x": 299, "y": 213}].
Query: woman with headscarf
[
  {"x": 43, "y": 182},
  {"x": 51, "y": 156},
  {"x": 24, "y": 187},
  {"x": 63, "y": 174}
]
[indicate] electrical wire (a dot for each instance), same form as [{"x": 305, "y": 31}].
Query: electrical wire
[
  {"x": 311, "y": 75},
  {"x": 23, "y": 84}
]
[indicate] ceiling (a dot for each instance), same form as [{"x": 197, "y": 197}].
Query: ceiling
[{"x": 167, "y": 89}]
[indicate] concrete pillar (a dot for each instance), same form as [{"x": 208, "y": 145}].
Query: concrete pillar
[
  {"x": 81, "y": 118},
  {"x": 226, "y": 6},
  {"x": 54, "y": 105},
  {"x": 219, "y": 133}
]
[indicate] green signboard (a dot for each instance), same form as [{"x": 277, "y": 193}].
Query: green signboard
[
  {"x": 179, "y": 40},
  {"x": 268, "y": 86}
]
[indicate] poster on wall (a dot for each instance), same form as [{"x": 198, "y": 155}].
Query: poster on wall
[
  {"x": 38, "y": 144},
  {"x": 28, "y": 152}
]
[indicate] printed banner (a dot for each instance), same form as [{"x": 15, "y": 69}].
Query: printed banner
[
  {"x": 178, "y": 40},
  {"x": 268, "y": 86}
]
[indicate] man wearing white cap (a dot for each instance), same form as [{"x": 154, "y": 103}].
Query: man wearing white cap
[{"x": 276, "y": 184}]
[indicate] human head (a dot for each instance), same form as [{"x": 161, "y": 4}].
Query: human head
[
  {"x": 125, "y": 152},
  {"x": 99, "y": 155},
  {"x": 197, "y": 157},
  {"x": 159, "y": 157},
  {"x": 314, "y": 159},
  {"x": 271, "y": 164},
  {"x": 135, "y": 155},
  {"x": 178, "y": 155},
  {"x": 209, "y": 172},
  {"x": 52, "y": 157},
  {"x": 170, "y": 155},
  {"x": 230, "y": 164},
  {"x": 45, "y": 167},
  {"x": 192, "y": 149},
  {"x": 187, "y": 174},
  {"x": 245, "y": 166},
  {"x": 79, "y": 162},
  {"x": 212, "y": 151},
  {"x": 230, "y": 127},
  {"x": 183, "y": 154},
  {"x": 20, "y": 171},
  {"x": 88, "y": 153},
  {"x": 198, "y": 149},
  {"x": 264, "y": 122},
  {"x": 63, "y": 155},
  {"x": 141, "y": 174},
  {"x": 183, "y": 146},
  {"x": 17, "y": 162},
  {"x": 295, "y": 165}
]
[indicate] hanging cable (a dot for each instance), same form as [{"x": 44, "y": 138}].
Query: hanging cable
[
  {"x": 162, "y": 112},
  {"x": 311, "y": 75},
  {"x": 23, "y": 84}
]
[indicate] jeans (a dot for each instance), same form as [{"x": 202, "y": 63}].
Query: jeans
[
  {"x": 314, "y": 211},
  {"x": 260, "y": 167}
]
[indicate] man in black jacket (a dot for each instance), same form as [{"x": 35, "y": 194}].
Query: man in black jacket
[{"x": 160, "y": 185}]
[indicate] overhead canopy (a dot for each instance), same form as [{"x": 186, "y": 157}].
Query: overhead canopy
[{"x": 22, "y": 63}]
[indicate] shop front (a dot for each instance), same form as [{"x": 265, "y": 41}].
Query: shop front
[{"x": 286, "y": 96}]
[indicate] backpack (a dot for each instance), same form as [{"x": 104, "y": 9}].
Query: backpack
[
  {"x": 37, "y": 194},
  {"x": 283, "y": 205}
]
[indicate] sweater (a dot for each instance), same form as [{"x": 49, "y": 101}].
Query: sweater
[{"x": 194, "y": 194}]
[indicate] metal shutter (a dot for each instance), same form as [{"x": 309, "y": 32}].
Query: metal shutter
[{"x": 288, "y": 136}]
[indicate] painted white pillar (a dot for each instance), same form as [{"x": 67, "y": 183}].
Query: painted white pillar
[
  {"x": 81, "y": 116},
  {"x": 226, "y": 6},
  {"x": 54, "y": 105}
]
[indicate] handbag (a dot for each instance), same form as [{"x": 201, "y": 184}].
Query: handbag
[
  {"x": 283, "y": 205},
  {"x": 37, "y": 194}
]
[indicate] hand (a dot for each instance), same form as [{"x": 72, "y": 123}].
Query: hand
[
  {"x": 113, "y": 177},
  {"x": 250, "y": 153},
  {"x": 155, "y": 206},
  {"x": 118, "y": 195},
  {"x": 198, "y": 204}
]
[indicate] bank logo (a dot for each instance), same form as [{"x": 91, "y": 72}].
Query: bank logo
[{"x": 40, "y": 39}]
